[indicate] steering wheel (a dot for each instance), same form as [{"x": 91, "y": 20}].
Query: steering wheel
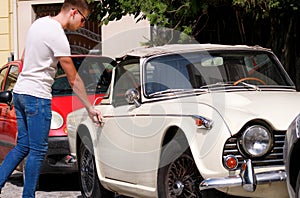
[{"x": 249, "y": 78}]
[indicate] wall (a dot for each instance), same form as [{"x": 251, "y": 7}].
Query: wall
[
  {"x": 6, "y": 38},
  {"x": 122, "y": 35},
  {"x": 117, "y": 36},
  {"x": 25, "y": 17}
]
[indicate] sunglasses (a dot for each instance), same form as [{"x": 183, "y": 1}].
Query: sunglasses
[{"x": 84, "y": 19}]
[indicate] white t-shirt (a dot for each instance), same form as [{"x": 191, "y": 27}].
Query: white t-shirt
[{"x": 46, "y": 40}]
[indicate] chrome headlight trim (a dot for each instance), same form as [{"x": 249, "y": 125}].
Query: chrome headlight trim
[
  {"x": 56, "y": 121},
  {"x": 256, "y": 141}
]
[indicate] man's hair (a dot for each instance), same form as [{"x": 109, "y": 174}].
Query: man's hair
[{"x": 78, "y": 4}]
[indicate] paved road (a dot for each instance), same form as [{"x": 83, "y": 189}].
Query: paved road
[{"x": 51, "y": 186}]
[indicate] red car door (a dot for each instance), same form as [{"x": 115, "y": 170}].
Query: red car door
[{"x": 8, "y": 124}]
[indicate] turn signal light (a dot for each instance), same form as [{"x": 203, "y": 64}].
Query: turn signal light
[
  {"x": 231, "y": 162},
  {"x": 65, "y": 130},
  {"x": 199, "y": 122}
]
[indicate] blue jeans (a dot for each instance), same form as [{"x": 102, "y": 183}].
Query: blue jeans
[{"x": 33, "y": 119}]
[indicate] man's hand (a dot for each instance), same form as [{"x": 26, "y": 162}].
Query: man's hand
[{"x": 95, "y": 115}]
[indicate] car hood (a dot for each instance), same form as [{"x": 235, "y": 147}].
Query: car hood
[{"x": 278, "y": 109}]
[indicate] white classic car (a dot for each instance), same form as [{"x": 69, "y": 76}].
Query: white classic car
[{"x": 194, "y": 120}]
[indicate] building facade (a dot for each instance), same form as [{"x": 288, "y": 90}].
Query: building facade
[
  {"x": 6, "y": 31},
  {"x": 16, "y": 16}
]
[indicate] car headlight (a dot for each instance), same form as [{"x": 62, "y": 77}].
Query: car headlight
[
  {"x": 56, "y": 121},
  {"x": 256, "y": 141}
]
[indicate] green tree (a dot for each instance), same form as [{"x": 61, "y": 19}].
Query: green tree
[
  {"x": 269, "y": 23},
  {"x": 282, "y": 19}
]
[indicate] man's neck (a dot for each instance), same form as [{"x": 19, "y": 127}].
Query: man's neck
[{"x": 62, "y": 19}]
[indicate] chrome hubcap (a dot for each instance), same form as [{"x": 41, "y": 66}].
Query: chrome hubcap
[{"x": 178, "y": 188}]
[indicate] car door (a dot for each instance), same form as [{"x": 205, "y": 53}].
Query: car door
[
  {"x": 117, "y": 137},
  {"x": 8, "y": 124}
]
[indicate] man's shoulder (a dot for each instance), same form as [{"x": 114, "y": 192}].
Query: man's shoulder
[
  {"x": 44, "y": 18},
  {"x": 46, "y": 21}
]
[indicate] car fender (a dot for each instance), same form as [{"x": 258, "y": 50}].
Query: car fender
[{"x": 206, "y": 144}]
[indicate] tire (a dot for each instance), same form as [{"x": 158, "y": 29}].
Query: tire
[
  {"x": 90, "y": 185},
  {"x": 297, "y": 190},
  {"x": 178, "y": 175}
]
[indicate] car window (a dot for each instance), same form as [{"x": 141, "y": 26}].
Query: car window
[
  {"x": 261, "y": 66},
  {"x": 127, "y": 76},
  {"x": 11, "y": 77},
  {"x": 168, "y": 72},
  {"x": 94, "y": 71},
  {"x": 2, "y": 75},
  {"x": 202, "y": 69}
]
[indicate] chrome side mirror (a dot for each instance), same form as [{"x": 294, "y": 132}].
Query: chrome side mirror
[{"x": 133, "y": 96}]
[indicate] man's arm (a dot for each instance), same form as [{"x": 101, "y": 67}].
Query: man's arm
[{"x": 78, "y": 86}]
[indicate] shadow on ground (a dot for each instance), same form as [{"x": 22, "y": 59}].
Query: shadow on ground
[
  {"x": 59, "y": 182},
  {"x": 16, "y": 179}
]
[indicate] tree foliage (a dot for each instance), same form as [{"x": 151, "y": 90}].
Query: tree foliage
[
  {"x": 269, "y": 23},
  {"x": 175, "y": 14},
  {"x": 183, "y": 15}
]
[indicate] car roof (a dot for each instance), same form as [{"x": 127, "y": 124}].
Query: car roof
[{"x": 143, "y": 52}]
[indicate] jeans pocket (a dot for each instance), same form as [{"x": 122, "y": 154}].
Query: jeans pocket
[{"x": 31, "y": 105}]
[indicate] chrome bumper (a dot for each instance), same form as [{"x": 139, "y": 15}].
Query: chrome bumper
[{"x": 247, "y": 178}]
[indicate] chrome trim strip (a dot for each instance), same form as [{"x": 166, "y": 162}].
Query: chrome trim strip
[{"x": 170, "y": 115}]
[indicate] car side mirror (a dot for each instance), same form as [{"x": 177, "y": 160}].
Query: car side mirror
[
  {"x": 133, "y": 96},
  {"x": 6, "y": 97}
]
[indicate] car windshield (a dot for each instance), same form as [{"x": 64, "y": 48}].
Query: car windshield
[
  {"x": 253, "y": 70},
  {"x": 94, "y": 71}
]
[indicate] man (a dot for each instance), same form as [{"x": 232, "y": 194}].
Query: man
[{"x": 46, "y": 44}]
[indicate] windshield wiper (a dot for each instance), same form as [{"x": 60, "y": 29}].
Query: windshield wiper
[
  {"x": 173, "y": 91},
  {"x": 223, "y": 84},
  {"x": 218, "y": 84},
  {"x": 247, "y": 85}
]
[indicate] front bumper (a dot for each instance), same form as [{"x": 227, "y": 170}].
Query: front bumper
[{"x": 247, "y": 178}]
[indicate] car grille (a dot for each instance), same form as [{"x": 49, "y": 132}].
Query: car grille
[{"x": 273, "y": 158}]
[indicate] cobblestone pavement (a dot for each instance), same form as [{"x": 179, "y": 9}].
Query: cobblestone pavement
[{"x": 51, "y": 186}]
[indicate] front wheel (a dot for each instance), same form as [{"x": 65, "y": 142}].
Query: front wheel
[
  {"x": 178, "y": 175},
  {"x": 89, "y": 182},
  {"x": 179, "y": 179}
]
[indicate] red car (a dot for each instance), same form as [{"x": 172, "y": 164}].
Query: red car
[{"x": 94, "y": 70}]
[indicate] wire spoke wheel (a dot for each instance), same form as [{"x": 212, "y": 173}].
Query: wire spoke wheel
[
  {"x": 182, "y": 178},
  {"x": 90, "y": 185},
  {"x": 87, "y": 172}
]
